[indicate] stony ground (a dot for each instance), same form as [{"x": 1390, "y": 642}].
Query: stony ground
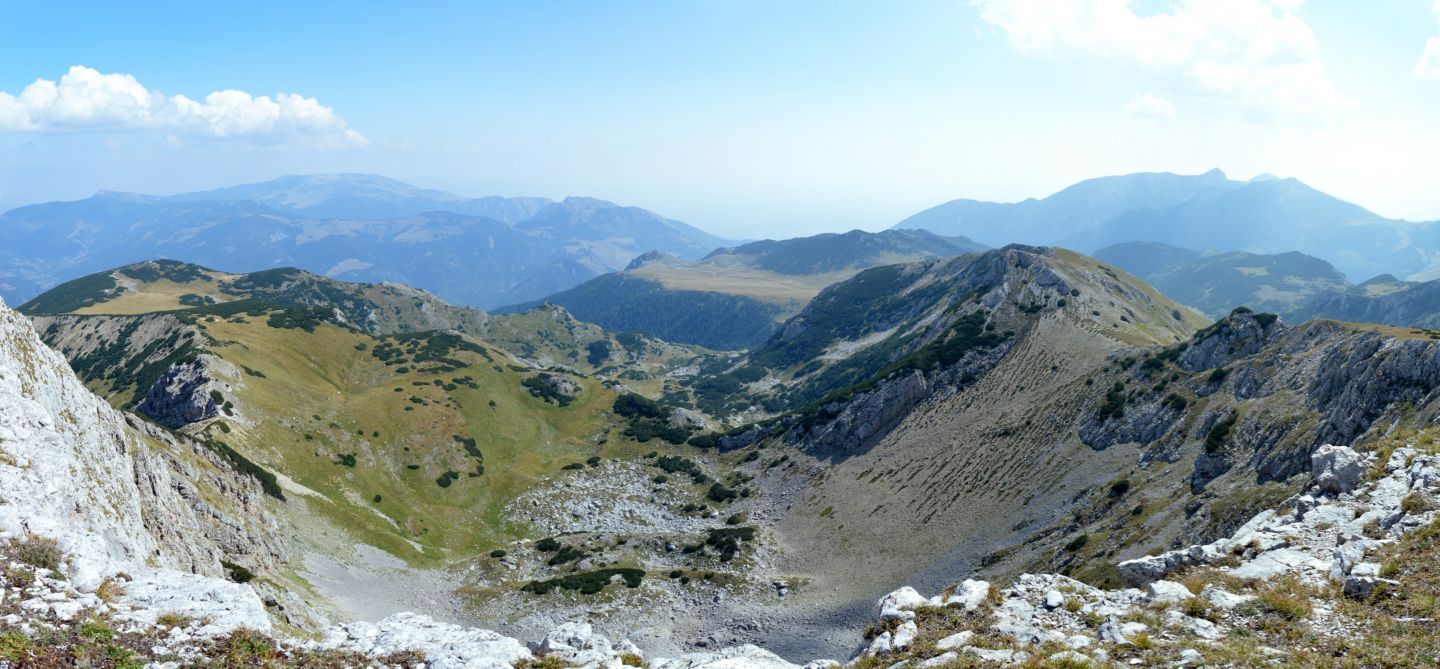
[{"x": 1339, "y": 576}]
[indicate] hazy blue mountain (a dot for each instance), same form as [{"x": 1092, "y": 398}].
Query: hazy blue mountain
[
  {"x": 1144, "y": 259},
  {"x": 1078, "y": 207},
  {"x": 613, "y": 234},
  {"x": 364, "y": 197},
  {"x": 833, "y": 252},
  {"x": 1264, "y": 215},
  {"x": 1273, "y": 216},
  {"x": 737, "y": 296},
  {"x": 462, "y": 258}
]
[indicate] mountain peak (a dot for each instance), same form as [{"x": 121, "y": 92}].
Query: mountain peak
[{"x": 655, "y": 257}]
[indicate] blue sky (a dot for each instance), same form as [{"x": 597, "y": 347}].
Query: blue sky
[{"x": 749, "y": 119}]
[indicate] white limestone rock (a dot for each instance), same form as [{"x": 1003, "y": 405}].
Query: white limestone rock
[
  {"x": 739, "y": 657},
  {"x": 1168, "y": 592},
  {"x": 969, "y": 595},
  {"x": 1336, "y": 469},
  {"x": 446, "y": 646},
  {"x": 901, "y": 604}
]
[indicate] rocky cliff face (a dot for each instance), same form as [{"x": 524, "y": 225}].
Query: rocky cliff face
[
  {"x": 120, "y": 496},
  {"x": 182, "y": 395},
  {"x": 121, "y": 356}
]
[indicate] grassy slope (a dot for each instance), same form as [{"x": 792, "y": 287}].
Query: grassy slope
[
  {"x": 789, "y": 290},
  {"x": 141, "y": 297},
  {"x": 353, "y": 394}
]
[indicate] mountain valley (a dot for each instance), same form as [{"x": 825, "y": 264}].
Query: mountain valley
[{"x": 836, "y": 417}]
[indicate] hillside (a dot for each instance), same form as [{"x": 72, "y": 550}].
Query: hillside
[
  {"x": 735, "y": 297},
  {"x": 836, "y": 252},
  {"x": 1146, "y": 259},
  {"x": 1215, "y": 283},
  {"x": 478, "y": 252},
  {"x": 1206, "y": 211},
  {"x": 1384, "y": 301},
  {"x": 543, "y": 338},
  {"x": 994, "y": 450},
  {"x": 994, "y": 408},
  {"x": 402, "y": 456}
]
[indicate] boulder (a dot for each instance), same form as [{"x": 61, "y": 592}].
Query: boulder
[
  {"x": 1336, "y": 469},
  {"x": 901, "y": 604},
  {"x": 1166, "y": 592},
  {"x": 969, "y": 595},
  {"x": 739, "y": 657},
  {"x": 1360, "y": 587}
]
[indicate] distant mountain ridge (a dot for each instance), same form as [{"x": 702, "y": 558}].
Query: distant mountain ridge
[
  {"x": 1264, "y": 215},
  {"x": 1215, "y": 283},
  {"x": 364, "y": 197},
  {"x": 736, "y": 297},
  {"x": 1296, "y": 286},
  {"x": 474, "y": 251}
]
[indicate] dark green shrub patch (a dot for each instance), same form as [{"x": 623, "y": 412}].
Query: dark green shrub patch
[
  {"x": 588, "y": 582},
  {"x": 727, "y": 540}
]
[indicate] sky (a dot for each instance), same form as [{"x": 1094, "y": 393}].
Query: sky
[{"x": 748, "y": 118}]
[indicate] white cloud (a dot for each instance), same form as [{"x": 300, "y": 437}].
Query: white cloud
[
  {"x": 1428, "y": 67},
  {"x": 85, "y": 99},
  {"x": 1259, "y": 54},
  {"x": 1145, "y": 105}
]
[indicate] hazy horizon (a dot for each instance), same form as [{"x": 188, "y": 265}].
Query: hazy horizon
[{"x": 745, "y": 119}]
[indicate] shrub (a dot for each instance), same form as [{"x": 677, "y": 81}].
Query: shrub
[
  {"x": 1219, "y": 432},
  {"x": 236, "y": 572},
  {"x": 1114, "y": 404},
  {"x": 1119, "y": 488},
  {"x": 173, "y": 619},
  {"x": 37, "y": 551},
  {"x": 1414, "y": 503},
  {"x": 1077, "y": 543},
  {"x": 1283, "y": 603},
  {"x": 547, "y": 544},
  {"x": 498, "y": 553},
  {"x": 727, "y": 540},
  {"x": 566, "y": 554},
  {"x": 719, "y": 493},
  {"x": 588, "y": 582},
  {"x": 110, "y": 590}
]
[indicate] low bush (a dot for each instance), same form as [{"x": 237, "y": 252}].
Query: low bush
[{"x": 587, "y": 582}]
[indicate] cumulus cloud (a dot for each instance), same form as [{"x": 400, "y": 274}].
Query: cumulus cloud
[
  {"x": 1256, "y": 53},
  {"x": 1146, "y": 105},
  {"x": 1428, "y": 67},
  {"x": 85, "y": 99}
]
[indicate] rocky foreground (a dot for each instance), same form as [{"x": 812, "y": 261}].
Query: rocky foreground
[{"x": 1293, "y": 579}]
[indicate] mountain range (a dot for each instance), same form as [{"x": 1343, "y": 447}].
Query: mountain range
[
  {"x": 1297, "y": 287},
  {"x": 474, "y": 251},
  {"x": 735, "y": 297},
  {"x": 1207, "y": 211},
  {"x": 1006, "y": 411}
]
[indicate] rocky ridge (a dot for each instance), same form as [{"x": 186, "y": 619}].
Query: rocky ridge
[{"x": 1317, "y": 544}]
